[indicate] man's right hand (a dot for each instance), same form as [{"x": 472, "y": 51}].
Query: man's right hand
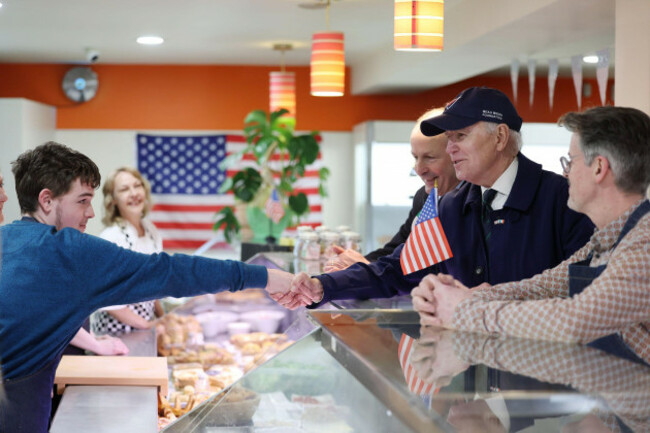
[{"x": 343, "y": 259}]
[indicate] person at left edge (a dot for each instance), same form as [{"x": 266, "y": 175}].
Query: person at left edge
[{"x": 54, "y": 276}]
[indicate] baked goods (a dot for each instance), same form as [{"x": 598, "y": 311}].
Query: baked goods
[{"x": 240, "y": 340}]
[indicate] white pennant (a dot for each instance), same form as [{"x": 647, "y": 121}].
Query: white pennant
[
  {"x": 514, "y": 77},
  {"x": 602, "y": 71},
  {"x": 552, "y": 78},
  {"x": 531, "y": 81},
  {"x": 576, "y": 71}
]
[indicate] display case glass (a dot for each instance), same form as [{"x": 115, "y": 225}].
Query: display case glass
[{"x": 372, "y": 371}]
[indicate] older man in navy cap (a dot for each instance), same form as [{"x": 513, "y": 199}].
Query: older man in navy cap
[{"x": 508, "y": 221}]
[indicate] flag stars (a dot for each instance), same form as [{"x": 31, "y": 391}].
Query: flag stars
[{"x": 180, "y": 164}]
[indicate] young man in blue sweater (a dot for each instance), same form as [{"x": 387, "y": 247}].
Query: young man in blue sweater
[{"x": 53, "y": 277}]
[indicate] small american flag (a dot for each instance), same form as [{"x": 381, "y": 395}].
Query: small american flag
[
  {"x": 185, "y": 176},
  {"x": 274, "y": 209},
  {"x": 427, "y": 243}
]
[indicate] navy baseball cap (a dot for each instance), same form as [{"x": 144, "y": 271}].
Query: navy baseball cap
[{"x": 470, "y": 106}]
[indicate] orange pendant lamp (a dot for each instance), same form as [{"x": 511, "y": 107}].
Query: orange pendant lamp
[
  {"x": 327, "y": 64},
  {"x": 418, "y": 25},
  {"x": 282, "y": 87},
  {"x": 327, "y": 61}
]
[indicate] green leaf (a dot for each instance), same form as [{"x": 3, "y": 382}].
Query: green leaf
[
  {"x": 226, "y": 185},
  {"x": 229, "y": 223},
  {"x": 322, "y": 191},
  {"x": 310, "y": 149},
  {"x": 298, "y": 203},
  {"x": 261, "y": 147},
  {"x": 324, "y": 173},
  {"x": 246, "y": 183},
  {"x": 256, "y": 116},
  {"x": 285, "y": 187}
]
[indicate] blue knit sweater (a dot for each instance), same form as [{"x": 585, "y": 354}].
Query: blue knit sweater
[{"x": 51, "y": 281}]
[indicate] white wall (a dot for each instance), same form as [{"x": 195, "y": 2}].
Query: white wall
[
  {"x": 111, "y": 149},
  {"x": 24, "y": 124}
]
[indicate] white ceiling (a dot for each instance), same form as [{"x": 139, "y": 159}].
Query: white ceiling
[{"x": 480, "y": 35}]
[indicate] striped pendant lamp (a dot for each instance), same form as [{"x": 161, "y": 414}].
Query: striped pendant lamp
[
  {"x": 282, "y": 92},
  {"x": 418, "y": 25},
  {"x": 327, "y": 64}
]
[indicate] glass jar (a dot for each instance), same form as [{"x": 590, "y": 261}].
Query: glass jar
[
  {"x": 351, "y": 240},
  {"x": 311, "y": 247},
  {"x": 300, "y": 240},
  {"x": 320, "y": 229},
  {"x": 341, "y": 229},
  {"x": 327, "y": 242}
]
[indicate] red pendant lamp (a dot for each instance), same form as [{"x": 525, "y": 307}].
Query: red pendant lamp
[{"x": 419, "y": 25}]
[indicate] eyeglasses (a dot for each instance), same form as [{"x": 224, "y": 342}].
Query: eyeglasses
[{"x": 566, "y": 163}]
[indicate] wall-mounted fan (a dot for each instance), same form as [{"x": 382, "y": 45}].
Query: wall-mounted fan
[{"x": 80, "y": 84}]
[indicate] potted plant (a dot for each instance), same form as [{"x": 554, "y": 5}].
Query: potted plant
[{"x": 281, "y": 158}]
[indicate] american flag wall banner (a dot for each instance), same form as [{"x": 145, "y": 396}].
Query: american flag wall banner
[
  {"x": 427, "y": 243},
  {"x": 185, "y": 176}
]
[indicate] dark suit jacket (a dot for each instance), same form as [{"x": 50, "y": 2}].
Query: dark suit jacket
[
  {"x": 534, "y": 231},
  {"x": 404, "y": 231}
]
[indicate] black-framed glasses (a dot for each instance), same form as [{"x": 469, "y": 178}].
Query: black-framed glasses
[{"x": 566, "y": 163}]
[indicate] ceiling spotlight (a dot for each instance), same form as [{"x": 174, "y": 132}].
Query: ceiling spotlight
[
  {"x": 590, "y": 59},
  {"x": 150, "y": 40}
]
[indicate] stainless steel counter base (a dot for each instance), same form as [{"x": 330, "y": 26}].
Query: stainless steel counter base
[
  {"x": 116, "y": 409},
  {"x": 103, "y": 409}
]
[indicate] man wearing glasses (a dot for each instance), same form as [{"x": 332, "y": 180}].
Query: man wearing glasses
[{"x": 600, "y": 295}]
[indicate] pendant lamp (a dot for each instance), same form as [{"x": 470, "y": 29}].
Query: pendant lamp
[
  {"x": 327, "y": 64},
  {"x": 327, "y": 61},
  {"x": 282, "y": 87},
  {"x": 418, "y": 25}
]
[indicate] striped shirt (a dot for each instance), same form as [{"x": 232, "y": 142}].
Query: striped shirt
[{"x": 540, "y": 307}]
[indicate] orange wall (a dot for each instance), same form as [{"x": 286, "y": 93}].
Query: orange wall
[{"x": 218, "y": 97}]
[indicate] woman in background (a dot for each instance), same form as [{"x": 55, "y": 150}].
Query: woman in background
[{"x": 127, "y": 200}]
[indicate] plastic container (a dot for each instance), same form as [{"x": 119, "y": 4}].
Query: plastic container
[
  {"x": 351, "y": 240},
  {"x": 235, "y": 328},
  {"x": 264, "y": 320},
  {"x": 300, "y": 240},
  {"x": 320, "y": 229},
  {"x": 311, "y": 247},
  {"x": 215, "y": 322},
  {"x": 327, "y": 242}
]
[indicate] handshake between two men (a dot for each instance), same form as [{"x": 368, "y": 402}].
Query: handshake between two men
[
  {"x": 293, "y": 291},
  {"x": 435, "y": 298}
]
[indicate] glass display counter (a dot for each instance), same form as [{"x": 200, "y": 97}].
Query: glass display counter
[{"x": 372, "y": 371}]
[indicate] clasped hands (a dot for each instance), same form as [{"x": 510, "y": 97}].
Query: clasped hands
[
  {"x": 436, "y": 298},
  {"x": 293, "y": 291}
]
